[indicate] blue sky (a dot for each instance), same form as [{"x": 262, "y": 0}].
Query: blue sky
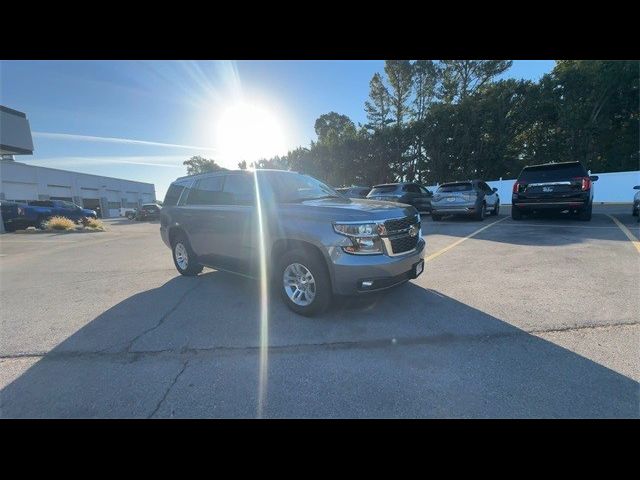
[{"x": 140, "y": 119}]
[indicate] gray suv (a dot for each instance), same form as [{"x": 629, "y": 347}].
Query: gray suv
[
  {"x": 315, "y": 242},
  {"x": 473, "y": 198}
]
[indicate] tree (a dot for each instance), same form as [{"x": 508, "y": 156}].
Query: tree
[
  {"x": 378, "y": 106},
  {"x": 462, "y": 78},
  {"x": 242, "y": 165},
  {"x": 333, "y": 128},
  {"x": 197, "y": 164}
]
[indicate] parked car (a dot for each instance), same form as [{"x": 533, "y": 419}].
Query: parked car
[
  {"x": 317, "y": 242},
  {"x": 565, "y": 186},
  {"x": 354, "y": 192},
  {"x": 473, "y": 198},
  {"x": 35, "y": 213},
  {"x": 126, "y": 211},
  {"x": 148, "y": 211},
  {"x": 410, "y": 193},
  {"x": 9, "y": 211},
  {"x": 636, "y": 203}
]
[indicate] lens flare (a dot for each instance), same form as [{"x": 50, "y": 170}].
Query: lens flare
[{"x": 264, "y": 302}]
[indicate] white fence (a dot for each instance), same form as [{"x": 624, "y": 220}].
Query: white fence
[{"x": 615, "y": 187}]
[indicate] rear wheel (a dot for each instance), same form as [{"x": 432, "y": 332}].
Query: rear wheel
[
  {"x": 184, "y": 258},
  {"x": 585, "y": 213},
  {"x": 516, "y": 214},
  {"x": 42, "y": 223},
  {"x": 305, "y": 286}
]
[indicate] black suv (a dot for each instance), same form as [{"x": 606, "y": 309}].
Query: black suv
[
  {"x": 412, "y": 194},
  {"x": 557, "y": 187},
  {"x": 149, "y": 211}
]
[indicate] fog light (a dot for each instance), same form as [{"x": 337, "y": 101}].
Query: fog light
[{"x": 367, "y": 283}]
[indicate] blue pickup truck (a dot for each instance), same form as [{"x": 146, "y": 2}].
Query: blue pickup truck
[{"x": 35, "y": 213}]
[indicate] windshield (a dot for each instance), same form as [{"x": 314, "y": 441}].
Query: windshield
[
  {"x": 455, "y": 187},
  {"x": 294, "y": 187}
]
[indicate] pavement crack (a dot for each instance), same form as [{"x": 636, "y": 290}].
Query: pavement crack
[
  {"x": 166, "y": 393},
  {"x": 440, "y": 338},
  {"x": 163, "y": 317}
]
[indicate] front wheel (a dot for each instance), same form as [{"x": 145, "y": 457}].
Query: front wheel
[
  {"x": 184, "y": 258},
  {"x": 305, "y": 286},
  {"x": 496, "y": 210}
]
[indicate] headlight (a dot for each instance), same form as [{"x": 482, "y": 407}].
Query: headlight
[{"x": 364, "y": 238}]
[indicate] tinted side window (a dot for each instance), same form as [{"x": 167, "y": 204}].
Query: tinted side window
[
  {"x": 173, "y": 194},
  {"x": 207, "y": 191},
  {"x": 411, "y": 188},
  {"x": 238, "y": 190}
]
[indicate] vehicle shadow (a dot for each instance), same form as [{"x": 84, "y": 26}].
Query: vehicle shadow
[{"x": 190, "y": 348}]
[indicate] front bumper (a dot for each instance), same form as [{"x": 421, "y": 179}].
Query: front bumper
[{"x": 350, "y": 271}]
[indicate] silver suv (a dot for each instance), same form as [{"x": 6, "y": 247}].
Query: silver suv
[
  {"x": 473, "y": 198},
  {"x": 315, "y": 242}
]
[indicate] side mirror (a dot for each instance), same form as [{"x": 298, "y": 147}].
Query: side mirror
[
  {"x": 494, "y": 190},
  {"x": 637, "y": 187},
  {"x": 594, "y": 178}
]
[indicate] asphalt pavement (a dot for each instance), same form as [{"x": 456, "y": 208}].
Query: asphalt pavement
[{"x": 531, "y": 319}]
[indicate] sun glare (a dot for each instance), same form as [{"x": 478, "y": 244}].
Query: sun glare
[{"x": 248, "y": 131}]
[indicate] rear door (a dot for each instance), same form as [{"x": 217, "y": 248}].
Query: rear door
[{"x": 204, "y": 218}]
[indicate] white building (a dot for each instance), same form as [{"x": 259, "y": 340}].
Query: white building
[{"x": 21, "y": 182}]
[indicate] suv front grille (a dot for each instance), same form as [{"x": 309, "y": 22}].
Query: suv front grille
[
  {"x": 403, "y": 244},
  {"x": 397, "y": 238},
  {"x": 399, "y": 224}
]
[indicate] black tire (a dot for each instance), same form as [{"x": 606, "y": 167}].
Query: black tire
[
  {"x": 315, "y": 264},
  {"x": 516, "y": 214},
  {"x": 585, "y": 213},
  {"x": 496, "y": 210},
  {"x": 634, "y": 212},
  {"x": 482, "y": 213},
  {"x": 192, "y": 267},
  {"x": 435, "y": 217}
]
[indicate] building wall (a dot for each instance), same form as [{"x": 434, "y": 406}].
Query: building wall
[
  {"x": 612, "y": 187},
  {"x": 19, "y": 181}
]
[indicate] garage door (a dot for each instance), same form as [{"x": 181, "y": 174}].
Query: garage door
[
  {"x": 19, "y": 191},
  {"x": 59, "y": 191},
  {"x": 132, "y": 199},
  {"x": 115, "y": 202}
]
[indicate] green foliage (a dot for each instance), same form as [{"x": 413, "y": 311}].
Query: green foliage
[
  {"x": 451, "y": 120},
  {"x": 197, "y": 164}
]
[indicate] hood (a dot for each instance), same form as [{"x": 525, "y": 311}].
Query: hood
[
  {"x": 350, "y": 209},
  {"x": 88, "y": 211}
]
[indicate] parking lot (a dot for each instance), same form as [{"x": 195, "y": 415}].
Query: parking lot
[{"x": 537, "y": 318}]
